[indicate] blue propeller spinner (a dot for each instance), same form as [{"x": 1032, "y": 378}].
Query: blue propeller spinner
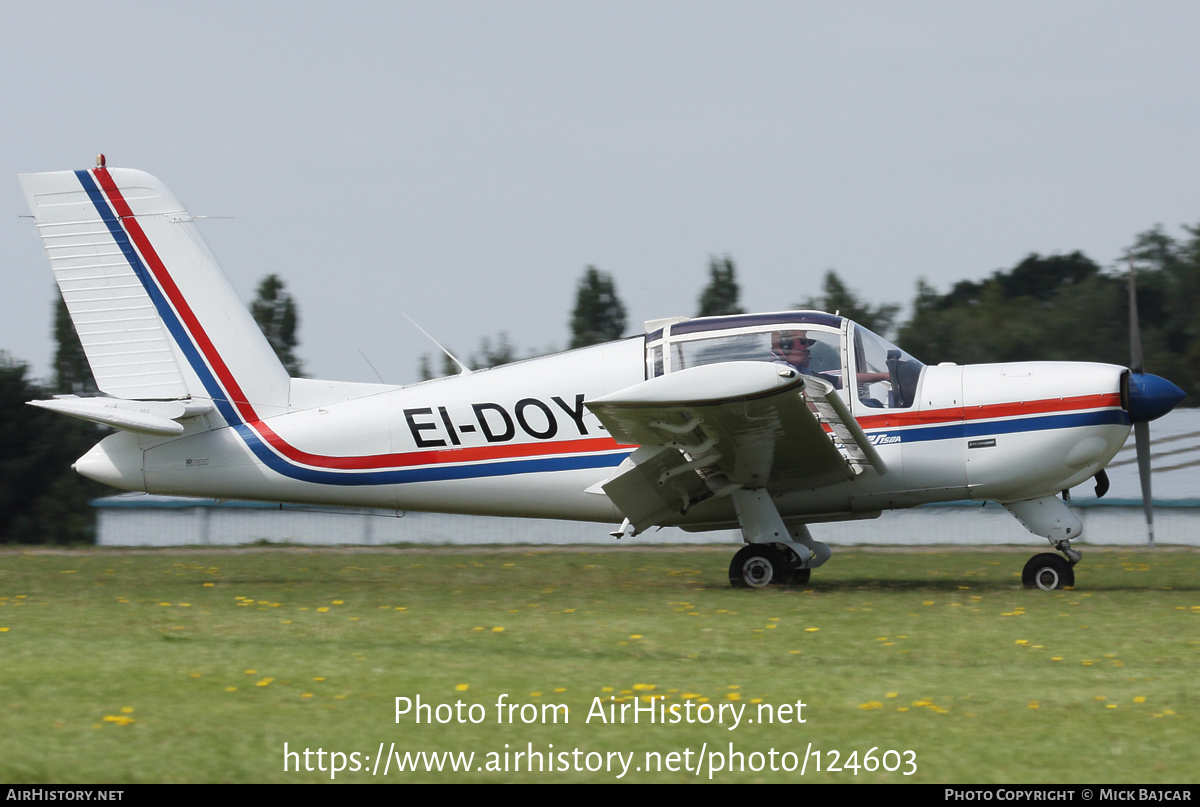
[{"x": 1151, "y": 397}]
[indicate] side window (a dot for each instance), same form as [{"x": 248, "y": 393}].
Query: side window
[
  {"x": 654, "y": 362},
  {"x": 697, "y": 352},
  {"x": 826, "y": 354},
  {"x": 812, "y": 352}
]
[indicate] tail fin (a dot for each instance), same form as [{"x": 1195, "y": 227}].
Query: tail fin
[{"x": 157, "y": 317}]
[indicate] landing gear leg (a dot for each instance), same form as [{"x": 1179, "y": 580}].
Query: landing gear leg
[
  {"x": 800, "y": 576},
  {"x": 1049, "y": 517},
  {"x": 800, "y": 562},
  {"x": 1073, "y": 555},
  {"x": 773, "y": 554},
  {"x": 804, "y": 552}
]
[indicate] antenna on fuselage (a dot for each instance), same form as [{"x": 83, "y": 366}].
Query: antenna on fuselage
[
  {"x": 372, "y": 366},
  {"x": 465, "y": 370}
]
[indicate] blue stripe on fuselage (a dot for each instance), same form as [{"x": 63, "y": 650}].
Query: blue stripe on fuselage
[{"x": 966, "y": 429}]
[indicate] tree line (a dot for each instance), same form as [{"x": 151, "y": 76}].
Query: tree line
[{"x": 1047, "y": 307}]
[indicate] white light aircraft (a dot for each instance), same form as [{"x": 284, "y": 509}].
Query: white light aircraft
[{"x": 766, "y": 422}]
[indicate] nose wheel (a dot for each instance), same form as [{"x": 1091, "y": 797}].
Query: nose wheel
[{"x": 1048, "y": 572}]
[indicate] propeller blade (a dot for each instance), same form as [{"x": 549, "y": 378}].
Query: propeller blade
[
  {"x": 1141, "y": 434},
  {"x": 1150, "y": 397},
  {"x": 1136, "y": 363}
]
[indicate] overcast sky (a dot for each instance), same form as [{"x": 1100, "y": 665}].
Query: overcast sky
[{"x": 465, "y": 161}]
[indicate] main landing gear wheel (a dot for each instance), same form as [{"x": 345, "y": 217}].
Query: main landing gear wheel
[
  {"x": 757, "y": 566},
  {"x": 1048, "y": 572}
]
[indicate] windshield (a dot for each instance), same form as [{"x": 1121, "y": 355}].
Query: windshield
[{"x": 887, "y": 376}]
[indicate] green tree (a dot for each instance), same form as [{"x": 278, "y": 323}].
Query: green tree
[
  {"x": 838, "y": 298},
  {"x": 599, "y": 315},
  {"x": 494, "y": 354},
  {"x": 72, "y": 373},
  {"x": 448, "y": 368},
  {"x": 42, "y": 500},
  {"x": 276, "y": 313},
  {"x": 720, "y": 296}
]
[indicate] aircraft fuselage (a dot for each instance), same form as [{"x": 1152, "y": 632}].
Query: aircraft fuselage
[{"x": 519, "y": 440}]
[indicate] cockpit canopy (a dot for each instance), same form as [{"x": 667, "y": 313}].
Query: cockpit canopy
[{"x": 812, "y": 342}]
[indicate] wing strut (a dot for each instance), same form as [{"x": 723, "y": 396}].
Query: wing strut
[{"x": 761, "y": 523}]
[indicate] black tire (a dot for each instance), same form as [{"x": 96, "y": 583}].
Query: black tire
[
  {"x": 1048, "y": 572},
  {"x": 757, "y": 566},
  {"x": 800, "y": 577}
]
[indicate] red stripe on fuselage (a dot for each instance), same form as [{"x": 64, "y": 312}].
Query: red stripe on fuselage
[
  {"x": 895, "y": 420},
  {"x": 438, "y": 456}
]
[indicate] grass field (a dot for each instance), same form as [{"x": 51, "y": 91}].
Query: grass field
[{"x": 198, "y": 666}]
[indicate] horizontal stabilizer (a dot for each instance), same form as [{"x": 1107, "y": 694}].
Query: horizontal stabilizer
[{"x": 158, "y": 418}]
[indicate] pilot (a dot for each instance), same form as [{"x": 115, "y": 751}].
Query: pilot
[{"x": 795, "y": 349}]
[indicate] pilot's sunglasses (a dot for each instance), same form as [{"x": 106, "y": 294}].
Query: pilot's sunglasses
[{"x": 786, "y": 342}]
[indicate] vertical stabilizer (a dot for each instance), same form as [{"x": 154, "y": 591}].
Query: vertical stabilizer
[{"x": 157, "y": 317}]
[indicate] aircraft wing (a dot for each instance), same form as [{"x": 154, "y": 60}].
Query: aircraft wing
[{"x": 717, "y": 428}]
